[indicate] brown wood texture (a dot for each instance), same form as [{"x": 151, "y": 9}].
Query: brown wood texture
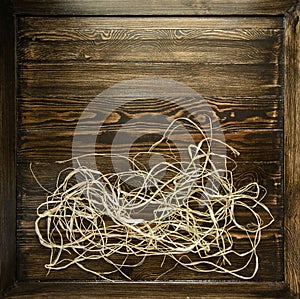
[
  {"x": 215, "y": 290},
  {"x": 261, "y": 125},
  {"x": 292, "y": 151},
  {"x": 144, "y": 40},
  {"x": 7, "y": 154},
  {"x": 234, "y": 63},
  {"x": 152, "y": 7}
]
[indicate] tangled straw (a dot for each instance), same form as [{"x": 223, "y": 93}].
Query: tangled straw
[{"x": 95, "y": 216}]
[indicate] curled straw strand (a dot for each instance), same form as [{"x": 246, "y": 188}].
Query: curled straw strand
[{"x": 194, "y": 214}]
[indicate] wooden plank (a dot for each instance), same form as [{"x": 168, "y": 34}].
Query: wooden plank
[
  {"x": 235, "y": 290},
  {"x": 292, "y": 150},
  {"x": 157, "y": 45},
  {"x": 233, "y": 113},
  {"x": 152, "y": 7},
  {"x": 249, "y": 124},
  {"x": 36, "y": 145},
  {"x": 7, "y": 153},
  {"x": 69, "y": 79},
  {"x": 241, "y": 41},
  {"x": 28, "y": 25}
]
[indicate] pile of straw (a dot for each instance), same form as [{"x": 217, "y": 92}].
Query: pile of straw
[{"x": 194, "y": 214}]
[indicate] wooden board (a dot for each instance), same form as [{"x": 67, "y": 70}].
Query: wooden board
[
  {"x": 233, "y": 290},
  {"x": 291, "y": 152},
  {"x": 152, "y": 7},
  {"x": 8, "y": 149},
  {"x": 235, "y": 64}
]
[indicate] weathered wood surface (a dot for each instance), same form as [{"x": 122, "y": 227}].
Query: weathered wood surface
[
  {"x": 198, "y": 52},
  {"x": 7, "y": 153},
  {"x": 292, "y": 152},
  {"x": 253, "y": 126},
  {"x": 156, "y": 45},
  {"x": 203, "y": 40},
  {"x": 67, "y": 79},
  {"x": 234, "y": 63},
  {"x": 74, "y": 25},
  {"x": 152, "y": 7},
  {"x": 216, "y": 290}
]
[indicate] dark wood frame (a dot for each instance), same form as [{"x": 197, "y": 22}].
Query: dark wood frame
[{"x": 289, "y": 10}]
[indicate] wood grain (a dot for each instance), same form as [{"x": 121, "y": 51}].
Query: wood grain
[
  {"x": 167, "y": 45},
  {"x": 261, "y": 145},
  {"x": 292, "y": 150},
  {"x": 30, "y": 25},
  {"x": 248, "y": 125},
  {"x": 7, "y": 153},
  {"x": 48, "y": 113},
  {"x": 68, "y": 79},
  {"x": 197, "y": 41},
  {"x": 199, "y": 52},
  {"x": 216, "y": 290},
  {"x": 152, "y": 7}
]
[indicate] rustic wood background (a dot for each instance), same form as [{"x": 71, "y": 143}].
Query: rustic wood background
[{"x": 235, "y": 63}]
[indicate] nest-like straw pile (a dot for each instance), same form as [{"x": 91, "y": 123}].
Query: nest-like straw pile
[{"x": 194, "y": 214}]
